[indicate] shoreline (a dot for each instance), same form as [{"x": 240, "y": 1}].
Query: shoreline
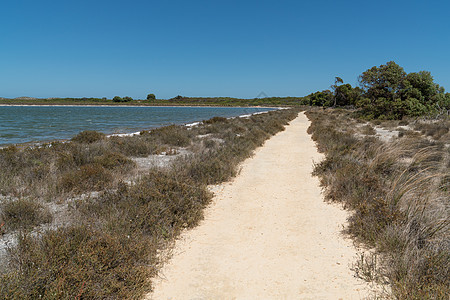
[
  {"x": 125, "y": 134},
  {"x": 150, "y": 106}
]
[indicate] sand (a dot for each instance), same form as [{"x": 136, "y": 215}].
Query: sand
[{"x": 267, "y": 235}]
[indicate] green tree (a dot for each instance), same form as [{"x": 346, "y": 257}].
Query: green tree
[
  {"x": 324, "y": 98},
  {"x": 127, "y": 99},
  {"x": 345, "y": 95},
  {"x": 391, "y": 93},
  {"x": 384, "y": 81},
  {"x": 151, "y": 97},
  {"x": 117, "y": 99}
]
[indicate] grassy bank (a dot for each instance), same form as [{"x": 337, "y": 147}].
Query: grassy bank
[
  {"x": 87, "y": 221},
  {"x": 397, "y": 190}
]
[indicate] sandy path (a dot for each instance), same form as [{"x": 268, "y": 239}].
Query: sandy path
[{"x": 267, "y": 235}]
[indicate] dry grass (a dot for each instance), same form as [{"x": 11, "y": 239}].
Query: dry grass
[{"x": 399, "y": 201}]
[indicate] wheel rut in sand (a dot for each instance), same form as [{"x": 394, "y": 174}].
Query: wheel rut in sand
[{"x": 267, "y": 235}]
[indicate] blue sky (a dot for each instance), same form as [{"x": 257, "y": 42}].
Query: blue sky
[{"x": 100, "y": 48}]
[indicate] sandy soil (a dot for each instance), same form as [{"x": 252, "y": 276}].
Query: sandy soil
[{"x": 267, "y": 235}]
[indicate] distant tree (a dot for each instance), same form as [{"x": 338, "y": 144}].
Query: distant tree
[
  {"x": 151, "y": 97},
  {"x": 127, "y": 99},
  {"x": 117, "y": 99}
]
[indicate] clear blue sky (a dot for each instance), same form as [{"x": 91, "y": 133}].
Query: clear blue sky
[{"x": 102, "y": 48}]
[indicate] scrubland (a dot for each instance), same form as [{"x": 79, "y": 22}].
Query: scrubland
[
  {"x": 394, "y": 178},
  {"x": 86, "y": 219},
  {"x": 80, "y": 219}
]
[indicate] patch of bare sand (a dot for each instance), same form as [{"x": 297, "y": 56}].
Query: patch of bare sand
[{"x": 267, "y": 235}]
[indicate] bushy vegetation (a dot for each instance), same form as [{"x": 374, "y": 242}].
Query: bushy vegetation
[
  {"x": 398, "y": 194},
  {"x": 387, "y": 92},
  {"x": 23, "y": 214},
  {"x": 391, "y": 93},
  {"x": 108, "y": 249},
  {"x": 120, "y": 99},
  {"x": 88, "y": 136}
]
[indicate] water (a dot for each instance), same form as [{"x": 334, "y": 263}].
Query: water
[{"x": 23, "y": 124}]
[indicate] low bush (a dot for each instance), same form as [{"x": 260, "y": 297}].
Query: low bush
[
  {"x": 436, "y": 130},
  {"x": 113, "y": 161},
  {"x": 23, "y": 214},
  {"x": 90, "y": 177},
  {"x": 172, "y": 135},
  {"x": 88, "y": 137},
  {"x": 215, "y": 120}
]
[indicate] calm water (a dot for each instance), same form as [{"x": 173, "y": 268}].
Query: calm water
[{"x": 21, "y": 124}]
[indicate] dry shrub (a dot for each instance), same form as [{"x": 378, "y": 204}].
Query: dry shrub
[
  {"x": 77, "y": 263},
  {"x": 23, "y": 214},
  {"x": 137, "y": 146},
  {"x": 436, "y": 130},
  {"x": 88, "y": 137},
  {"x": 172, "y": 135},
  {"x": 113, "y": 161},
  {"x": 368, "y": 130},
  {"x": 215, "y": 120},
  {"x": 90, "y": 177}
]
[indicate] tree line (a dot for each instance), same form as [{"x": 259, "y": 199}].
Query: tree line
[{"x": 386, "y": 92}]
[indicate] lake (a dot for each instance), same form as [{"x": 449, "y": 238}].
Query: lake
[{"x": 23, "y": 124}]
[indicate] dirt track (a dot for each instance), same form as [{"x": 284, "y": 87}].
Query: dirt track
[{"x": 267, "y": 235}]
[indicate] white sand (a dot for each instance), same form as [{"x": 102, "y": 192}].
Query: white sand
[{"x": 267, "y": 235}]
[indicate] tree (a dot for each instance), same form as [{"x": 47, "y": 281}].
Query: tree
[
  {"x": 391, "y": 93},
  {"x": 335, "y": 88},
  {"x": 384, "y": 81},
  {"x": 324, "y": 98},
  {"x": 151, "y": 97},
  {"x": 117, "y": 99},
  {"x": 345, "y": 95},
  {"x": 127, "y": 99}
]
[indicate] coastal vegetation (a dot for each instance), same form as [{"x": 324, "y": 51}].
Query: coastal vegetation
[
  {"x": 88, "y": 221},
  {"x": 85, "y": 220},
  {"x": 387, "y": 92},
  {"x": 394, "y": 178}
]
